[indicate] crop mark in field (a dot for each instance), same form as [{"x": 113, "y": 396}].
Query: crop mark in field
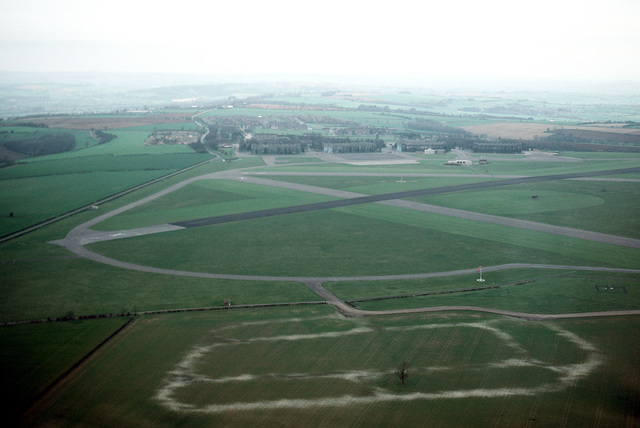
[
  {"x": 185, "y": 373},
  {"x": 332, "y": 316}
]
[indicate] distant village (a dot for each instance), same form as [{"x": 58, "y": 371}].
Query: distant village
[{"x": 301, "y": 133}]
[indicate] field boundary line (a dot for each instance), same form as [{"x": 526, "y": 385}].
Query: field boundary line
[
  {"x": 221, "y": 308},
  {"x": 156, "y": 312},
  {"x": 75, "y": 211},
  {"x": 73, "y": 368},
  {"x": 433, "y": 293}
]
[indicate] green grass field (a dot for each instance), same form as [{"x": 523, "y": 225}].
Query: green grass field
[
  {"x": 31, "y": 200},
  {"x": 376, "y": 185},
  {"x": 574, "y": 293},
  {"x": 361, "y": 240},
  {"x": 208, "y": 198},
  {"x": 13, "y": 133},
  {"x": 40, "y": 188},
  {"x": 599, "y": 206},
  {"x": 32, "y": 290},
  {"x": 109, "y": 162},
  {"x": 34, "y": 356},
  {"x": 294, "y": 365},
  {"x": 236, "y": 369}
]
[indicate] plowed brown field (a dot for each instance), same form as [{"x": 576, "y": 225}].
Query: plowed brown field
[{"x": 527, "y": 131}]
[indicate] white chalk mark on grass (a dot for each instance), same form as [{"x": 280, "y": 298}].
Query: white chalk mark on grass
[
  {"x": 311, "y": 336},
  {"x": 379, "y": 396},
  {"x": 506, "y": 337},
  {"x": 279, "y": 321},
  {"x": 354, "y": 376},
  {"x": 185, "y": 375}
]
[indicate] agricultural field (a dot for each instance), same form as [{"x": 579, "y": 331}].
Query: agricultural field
[
  {"x": 110, "y": 121},
  {"x": 530, "y": 131},
  {"x": 33, "y": 356},
  {"x": 30, "y": 188},
  {"x": 287, "y": 289},
  {"x": 237, "y": 369}
]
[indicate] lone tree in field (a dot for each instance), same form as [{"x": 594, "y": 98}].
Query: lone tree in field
[{"x": 402, "y": 371}]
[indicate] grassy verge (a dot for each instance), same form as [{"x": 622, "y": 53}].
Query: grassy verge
[
  {"x": 350, "y": 290},
  {"x": 376, "y": 185},
  {"x": 51, "y": 288},
  {"x": 554, "y": 295}
]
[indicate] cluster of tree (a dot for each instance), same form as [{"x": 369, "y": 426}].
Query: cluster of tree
[
  {"x": 43, "y": 144},
  {"x": 374, "y": 107},
  {"x": 463, "y": 141},
  {"x": 358, "y": 147},
  {"x": 104, "y": 137},
  {"x": 31, "y": 124},
  {"x": 198, "y": 147},
  {"x": 500, "y": 146},
  {"x": 276, "y": 149},
  {"x": 319, "y": 142},
  {"x": 585, "y": 135},
  {"x": 211, "y": 140},
  {"x": 516, "y": 109},
  {"x": 5, "y": 162},
  {"x": 433, "y": 126},
  {"x": 625, "y": 124},
  {"x": 222, "y": 135},
  {"x": 577, "y": 146},
  {"x": 282, "y": 144},
  {"x": 402, "y": 372},
  {"x": 407, "y": 135}
]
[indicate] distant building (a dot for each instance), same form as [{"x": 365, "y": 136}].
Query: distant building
[
  {"x": 422, "y": 146},
  {"x": 262, "y": 138},
  {"x": 497, "y": 147},
  {"x": 459, "y": 162}
]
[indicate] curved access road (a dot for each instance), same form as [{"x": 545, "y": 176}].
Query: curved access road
[{"x": 82, "y": 235}]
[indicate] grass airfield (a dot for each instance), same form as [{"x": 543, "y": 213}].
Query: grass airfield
[{"x": 283, "y": 365}]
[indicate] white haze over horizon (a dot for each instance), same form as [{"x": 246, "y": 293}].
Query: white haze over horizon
[{"x": 546, "y": 39}]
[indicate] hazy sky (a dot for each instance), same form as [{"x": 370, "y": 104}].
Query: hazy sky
[{"x": 542, "y": 38}]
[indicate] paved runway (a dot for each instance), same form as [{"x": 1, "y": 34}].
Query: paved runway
[
  {"x": 397, "y": 199},
  {"x": 83, "y": 235}
]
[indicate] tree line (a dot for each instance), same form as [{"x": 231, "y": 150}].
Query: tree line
[
  {"x": 43, "y": 144},
  {"x": 433, "y": 126},
  {"x": 223, "y": 135},
  {"x": 104, "y": 137},
  {"x": 292, "y": 144}
]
